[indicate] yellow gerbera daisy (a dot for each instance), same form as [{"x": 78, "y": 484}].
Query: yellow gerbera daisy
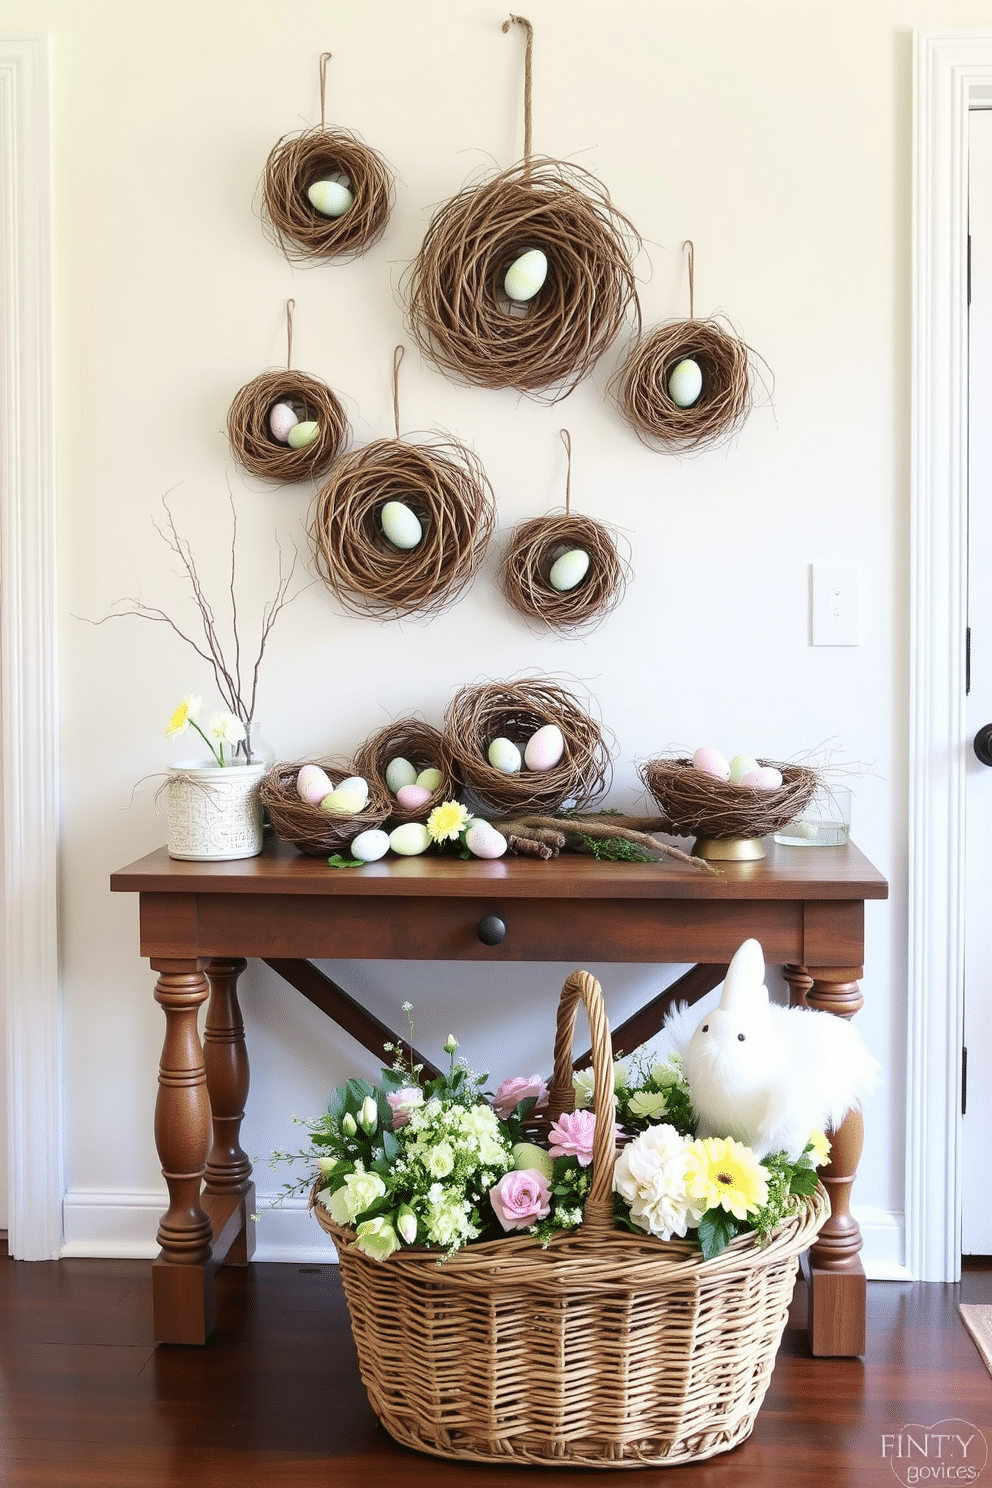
[
  {"x": 820, "y": 1143},
  {"x": 725, "y": 1174},
  {"x": 446, "y": 821}
]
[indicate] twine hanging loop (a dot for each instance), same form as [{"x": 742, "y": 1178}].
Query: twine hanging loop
[
  {"x": 516, "y": 20},
  {"x": 397, "y": 358},
  {"x": 325, "y": 57},
  {"x": 687, "y": 246},
  {"x": 290, "y": 307},
  {"x": 566, "y": 440}
]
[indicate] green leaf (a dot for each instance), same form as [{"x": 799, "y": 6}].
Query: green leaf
[
  {"x": 357, "y": 1090},
  {"x": 716, "y": 1230},
  {"x": 338, "y": 1103},
  {"x": 338, "y": 861},
  {"x": 804, "y": 1181},
  {"x": 390, "y": 1146}
]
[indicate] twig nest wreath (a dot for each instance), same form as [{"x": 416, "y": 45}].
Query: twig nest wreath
[
  {"x": 563, "y": 568},
  {"x": 399, "y": 529},
  {"x": 525, "y": 280},
  {"x": 312, "y": 828},
  {"x": 530, "y": 716},
  {"x": 286, "y": 426},
  {"x": 715, "y": 811},
  {"x": 408, "y": 753},
  {"x": 686, "y": 384},
  {"x": 325, "y": 193}
]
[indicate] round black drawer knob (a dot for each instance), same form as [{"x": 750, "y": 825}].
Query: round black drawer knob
[
  {"x": 491, "y": 930},
  {"x": 983, "y": 744}
]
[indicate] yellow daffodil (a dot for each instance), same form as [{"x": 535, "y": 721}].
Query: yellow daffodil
[
  {"x": 725, "y": 1174},
  {"x": 447, "y": 821},
  {"x": 820, "y": 1143},
  {"x": 183, "y": 716}
]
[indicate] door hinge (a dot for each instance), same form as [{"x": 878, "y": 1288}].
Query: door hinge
[{"x": 964, "y": 1081}]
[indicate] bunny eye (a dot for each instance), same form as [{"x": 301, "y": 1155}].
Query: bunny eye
[
  {"x": 740, "y": 1038},
  {"x": 706, "y": 1028}
]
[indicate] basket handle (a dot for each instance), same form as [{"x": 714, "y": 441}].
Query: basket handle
[{"x": 583, "y": 987}]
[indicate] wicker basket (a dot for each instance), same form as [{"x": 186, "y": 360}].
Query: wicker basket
[{"x": 606, "y": 1349}]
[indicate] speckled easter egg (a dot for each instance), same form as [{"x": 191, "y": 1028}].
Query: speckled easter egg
[
  {"x": 504, "y": 755},
  {"x": 741, "y": 765},
  {"x": 330, "y": 198},
  {"x": 313, "y": 784},
  {"x": 356, "y": 783},
  {"x": 302, "y": 434},
  {"x": 344, "y": 802},
  {"x": 526, "y": 275},
  {"x": 370, "y": 846},
  {"x": 483, "y": 840},
  {"x": 399, "y": 772},
  {"x": 281, "y": 420},
  {"x": 711, "y": 762},
  {"x": 430, "y": 779},
  {"x": 568, "y": 571},
  {"x": 412, "y": 797},
  {"x": 765, "y": 778},
  {"x": 685, "y": 383},
  {"x": 545, "y": 748}
]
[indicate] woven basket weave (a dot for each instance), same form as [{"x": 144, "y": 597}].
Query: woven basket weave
[{"x": 606, "y": 1349}]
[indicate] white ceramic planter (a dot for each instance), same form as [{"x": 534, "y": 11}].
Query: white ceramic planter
[{"x": 214, "y": 813}]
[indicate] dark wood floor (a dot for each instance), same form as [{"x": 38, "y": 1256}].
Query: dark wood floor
[{"x": 275, "y": 1398}]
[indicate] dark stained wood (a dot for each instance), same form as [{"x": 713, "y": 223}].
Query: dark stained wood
[
  {"x": 345, "y": 1011},
  {"x": 806, "y": 908},
  {"x": 276, "y": 1398}
]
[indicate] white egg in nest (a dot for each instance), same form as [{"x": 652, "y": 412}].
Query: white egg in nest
[
  {"x": 526, "y": 275},
  {"x": 568, "y": 570},
  {"x": 685, "y": 383},
  {"x": 504, "y": 755},
  {"x": 330, "y": 198},
  {"x": 544, "y": 748},
  {"x": 400, "y": 525}
]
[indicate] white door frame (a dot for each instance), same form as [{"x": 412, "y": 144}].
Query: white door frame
[
  {"x": 29, "y": 965},
  {"x": 949, "y": 68}
]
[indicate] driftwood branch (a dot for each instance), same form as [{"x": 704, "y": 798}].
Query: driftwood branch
[{"x": 573, "y": 831}]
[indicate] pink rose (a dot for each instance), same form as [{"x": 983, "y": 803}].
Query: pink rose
[
  {"x": 572, "y": 1135},
  {"x": 512, "y": 1092},
  {"x": 402, "y": 1102},
  {"x": 521, "y": 1199}
]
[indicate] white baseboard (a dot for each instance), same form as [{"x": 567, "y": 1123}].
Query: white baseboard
[{"x": 123, "y": 1225}]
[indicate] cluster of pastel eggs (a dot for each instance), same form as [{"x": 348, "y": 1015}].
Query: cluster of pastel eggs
[
  {"x": 286, "y": 426},
  {"x": 685, "y": 383},
  {"x": 331, "y": 197},
  {"x": 542, "y": 751},
  {"x": 743, "y": 769}
]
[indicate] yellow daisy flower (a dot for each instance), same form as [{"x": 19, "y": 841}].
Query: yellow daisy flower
[
  {"x": 725, "y": 1174},
  {"x": 183, "y": 716},
  {"x": 820, "y": 1143},
  {"x": 446, "y": 821}
]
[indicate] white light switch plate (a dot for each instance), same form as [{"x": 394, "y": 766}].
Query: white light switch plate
[{"x": 836, "y": 617}]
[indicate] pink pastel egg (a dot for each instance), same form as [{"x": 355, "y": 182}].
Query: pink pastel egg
[
  {"x": 483, "y": 841},
  {"x": 711, "y": 762},
  {"x": 313, "y": 784},
  {"x": 282, "y": 418},
  {"x": 412, "y": 797},
  {"x": 765, "y": 778}
]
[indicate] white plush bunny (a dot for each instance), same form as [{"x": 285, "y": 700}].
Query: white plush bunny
[{"x": 770, "y": 1075}]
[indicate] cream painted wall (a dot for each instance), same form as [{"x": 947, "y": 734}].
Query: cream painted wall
[{"x": 777, "y": 137}]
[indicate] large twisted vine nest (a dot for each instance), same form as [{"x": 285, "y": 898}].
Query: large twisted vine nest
[
  {"x": 696, "y": 803},
  {"x": 256, "y": 448},
  {"x": 424, "y": 746},
  {"x": 483, "y": 712},
  {"x": 640, "y": 387},
  {"x": 458, "y": 311},
  {"x": 295, "y": 163},
  {"x": 308, "y": 828},
  {"x": 446, "y": 487}
]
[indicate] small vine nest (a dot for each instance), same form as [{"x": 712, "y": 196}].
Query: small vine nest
[
  {"x": 293, "y": 223},
  {"x": 528, "y": 558},
  {"x": 256, "y": 448},
  {"x": 696, "y": 803},
  {"x": 308, "y": 828},
  {"x": 458, "y": 311},
  {"x": 479, "y": 714},
  {"x": 640, "y": 387},
  {"x": 444, "y": 485},
  {"x": 424, "y": 746}
]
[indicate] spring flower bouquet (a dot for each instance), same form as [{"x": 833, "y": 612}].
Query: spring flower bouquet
[{"x": 441, "y": 1162}]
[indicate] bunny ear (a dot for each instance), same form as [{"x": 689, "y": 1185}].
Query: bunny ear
[{"x": 744, "y": 984}]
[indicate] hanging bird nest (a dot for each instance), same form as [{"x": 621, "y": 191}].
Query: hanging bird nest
[
  {"x": 695, "y": 803},
  {"x": 313, "y": 831},
  {"x": 256, "y": 448},
  {"x": 479, "y": 714},
  {"x": 424, "y": 746},
  {"x": 532, "y": 551},
  {"x": 641, "y": 385},
  {"x": 459, "y": 313},
  {"x": 446, "y": 488}
]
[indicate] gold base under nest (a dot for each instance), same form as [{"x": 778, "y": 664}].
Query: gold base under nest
[{"x": 730, "y": 849}]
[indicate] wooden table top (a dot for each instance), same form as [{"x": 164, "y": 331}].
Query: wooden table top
[{"x": 841, "y": 873}]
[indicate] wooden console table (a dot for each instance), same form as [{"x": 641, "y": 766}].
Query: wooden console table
[{"x": 199, "y": 921}]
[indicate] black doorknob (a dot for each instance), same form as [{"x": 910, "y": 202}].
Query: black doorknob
[
  {"x": 983, "y": 744},
  {"x": 491, "y": 930}
]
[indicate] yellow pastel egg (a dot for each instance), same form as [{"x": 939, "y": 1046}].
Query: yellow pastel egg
[
  {"x": 344, "y": 802},
  {"x": 410, "y": 839},
  {"x": 330, "y": 198},
  {"x": 685, "y": 383},
  {"x": 526, "y": 275},
  {"x": 430, "y": 779},
  {"x": 741, "y": 765},
  {"x": 302, "y": 434}
]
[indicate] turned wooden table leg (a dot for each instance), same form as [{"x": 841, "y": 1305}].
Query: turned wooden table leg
[
  {"x": 228, "y": 1172},
  {"x": 838, "y": 1291},
  {"x": 182, "y": 1277}
]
